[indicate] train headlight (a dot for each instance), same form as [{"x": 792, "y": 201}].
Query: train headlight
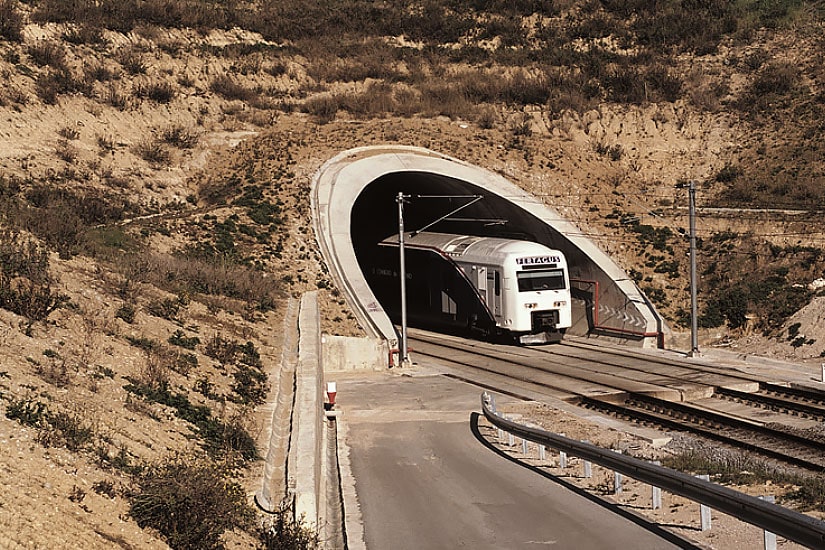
[
  {"x": 562, "y": 303},
  {"x": 531, "y": 305}
]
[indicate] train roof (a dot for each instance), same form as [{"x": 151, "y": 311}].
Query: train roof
[{"x": 491, "y": 248}]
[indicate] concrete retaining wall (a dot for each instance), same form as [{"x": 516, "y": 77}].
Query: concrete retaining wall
[
  {"x": 345, "y": 353},
  {"x": 307, "y": 422}
]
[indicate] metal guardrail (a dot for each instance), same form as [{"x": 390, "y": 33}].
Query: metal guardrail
[{"x": 791, "y": 525}]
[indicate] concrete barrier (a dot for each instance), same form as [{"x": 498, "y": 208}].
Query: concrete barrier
[
  {"x": 345, "y": 353},
  {"x": 307, "y": 422}
]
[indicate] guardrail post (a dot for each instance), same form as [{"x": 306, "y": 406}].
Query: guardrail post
[
  {"x": 656, "y": 496},
  {"x": 500, "y": 434},
  {"x": 542, "y": 451},
  {"x": 511, "y": 439},
  {"x": 588, "y": 466},
  {"x": 822, "y": 378},
  {"x": 770, "y": 538},
  {"x": 704, "y": 511},
  {"x": 617, "y": 478},
  {"x": 524, "y": 447},
  {"x": 562, "y": 460}
]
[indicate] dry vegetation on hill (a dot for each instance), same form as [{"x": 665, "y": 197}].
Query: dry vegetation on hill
[{"x": 155, "y": 162}]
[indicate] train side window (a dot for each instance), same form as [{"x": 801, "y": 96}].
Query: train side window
[{"x": 498, "y": 284}]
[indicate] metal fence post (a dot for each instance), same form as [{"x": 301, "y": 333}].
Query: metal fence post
[{"x": 770, "y": 538}]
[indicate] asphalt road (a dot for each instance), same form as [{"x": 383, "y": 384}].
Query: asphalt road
[{"x": 425, "y": 481}]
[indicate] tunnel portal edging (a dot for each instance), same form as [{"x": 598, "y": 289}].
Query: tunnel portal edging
[{"x": 339, "y": 182}]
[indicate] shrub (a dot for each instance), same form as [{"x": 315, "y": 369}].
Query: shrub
[
  {"x": 179, "y": 338},
  {"x": 284, "y": 532},
  {"x": 228, "y": 440},
  {"x": 26, "y": 287},
  {"x": 323, "y": 107},
  {"x": 132, "y": 60},
  {"x": 126, "y": 312},
  {"x": 229, "y": 88},
  {"x": 222, "y": 349},
  {"x": 11, "y": 21},
  {"x": 166, "y": 308},
  {"x": 84, "y": 34},
  {"x": 153, "y": 152},
  {"x": 48, "y": 54},
  {"x": 250, "y": 385},
  {"x": 159, "y": 92},
  {"x": 180, "y": 137},
  {"x": 53, "y": 429},
  {"x": 190, "y": 504}
]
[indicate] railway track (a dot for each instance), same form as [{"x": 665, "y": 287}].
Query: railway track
[
  {"x": 766, "y": 440},
  {"x": 795, "y": 401},
  {"x": 530, "y": 371}
]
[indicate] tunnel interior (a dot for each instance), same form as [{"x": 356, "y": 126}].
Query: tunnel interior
[
  {"x": 375, "y": 211},
  {"x": 374, "y": 217}
]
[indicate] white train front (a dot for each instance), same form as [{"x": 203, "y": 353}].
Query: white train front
[{"x": 485, "y": 285}]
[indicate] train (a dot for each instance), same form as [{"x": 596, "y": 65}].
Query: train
[{"x": 487, "y": 287}]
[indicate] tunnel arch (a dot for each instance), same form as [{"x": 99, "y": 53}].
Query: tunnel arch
[{"x": 353, "y": 203}]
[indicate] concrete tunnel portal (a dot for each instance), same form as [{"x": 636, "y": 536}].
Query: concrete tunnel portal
[{"x": 354, "y": 207}]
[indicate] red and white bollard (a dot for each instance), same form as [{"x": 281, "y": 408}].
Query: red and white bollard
[{"x": 331, "y": 391}]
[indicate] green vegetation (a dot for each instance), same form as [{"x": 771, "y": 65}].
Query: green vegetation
[
  {"x": 745, "y": 277},
  {"x": 227, "y": 439},
  {"x": 190, "y": 503},
  {"x": 26, "y": 286},
  {"x": 739, "y": 468},
  {"x": 54, "y": 429}
]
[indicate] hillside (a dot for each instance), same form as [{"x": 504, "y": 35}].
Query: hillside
[{"x": 155, "y": 163}]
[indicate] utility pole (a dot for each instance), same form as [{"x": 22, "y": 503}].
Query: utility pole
[
  {"x": 404, "y": 356},
  {"x": 694, "y": 307}
]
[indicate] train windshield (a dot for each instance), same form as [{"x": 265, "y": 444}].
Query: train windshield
[{"x": 545, "y": 279}]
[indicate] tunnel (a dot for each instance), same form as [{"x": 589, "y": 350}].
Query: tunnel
[{"x": 354, "y": 198}]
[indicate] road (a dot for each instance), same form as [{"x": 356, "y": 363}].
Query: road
[{"x": 425, "y": 481}]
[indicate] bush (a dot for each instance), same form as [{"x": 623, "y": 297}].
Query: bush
[
  {"x": 180, "y": 137},
  {"x": 284, "y": 532},
  {"x": 11, "y": 21},
  {"x": 159, "y": 92},
  {"x": 229, "y": 88},
  {"x": 167, "y": 308},
  {"x": 153, "y": 152},
  {"x": 179, "y": 338},
  {"x": 26, "y": 287},
  {"x": 190, "y": 504}
]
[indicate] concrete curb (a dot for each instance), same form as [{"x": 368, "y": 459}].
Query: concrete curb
[
  {"x": 307, "y": 422},
  {"x": 353, "y": 520}
]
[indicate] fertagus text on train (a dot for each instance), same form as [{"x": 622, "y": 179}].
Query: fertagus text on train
[{"x": 538, "y": 260}]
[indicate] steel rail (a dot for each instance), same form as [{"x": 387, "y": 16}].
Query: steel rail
[
  {"x": 710, "y": 433},
  {"x": 773, "y": 403},
  {"x": 791, "y": 525},
  {"x": 810, "y": 394}
]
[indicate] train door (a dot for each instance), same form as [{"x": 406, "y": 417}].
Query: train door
[
  {"x": 493, "y": 292},
  {"x": 481, "y": 281}
]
